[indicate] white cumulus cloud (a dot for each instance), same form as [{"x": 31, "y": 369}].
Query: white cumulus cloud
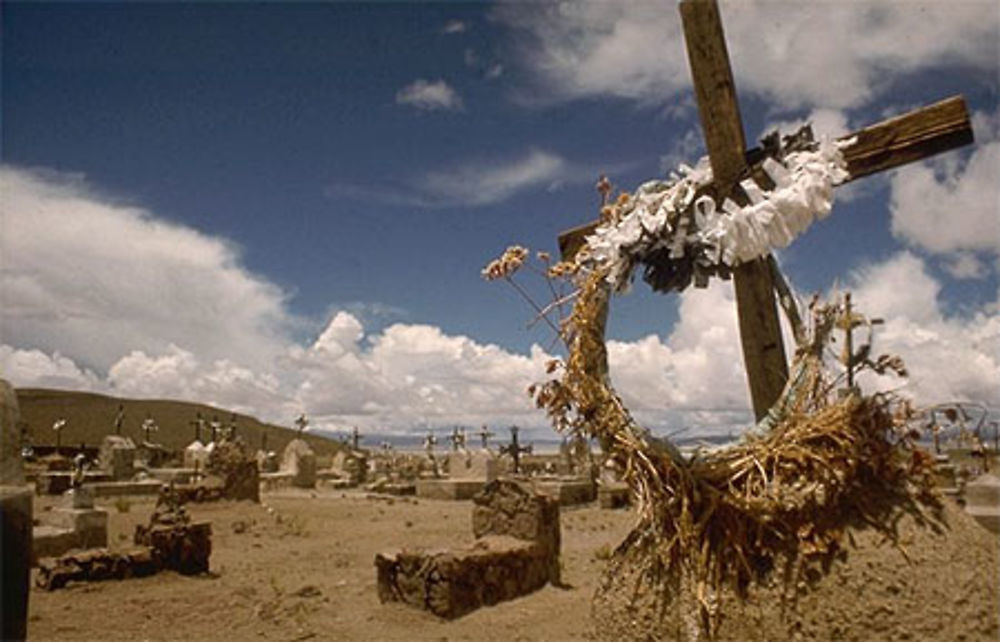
[
  {"x": 428, "y": 95},
  {"x": 38, "y": 369},
  {"x": 950, "y": 358},
  {"x": 830, "y": 54},
  {"x": 945, "y": 206},
  {"x": 102, "y": 296},
  {"x": 92, "y": 278}
]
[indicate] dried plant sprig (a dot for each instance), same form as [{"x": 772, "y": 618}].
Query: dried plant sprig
[{"x": 509, "y": 262}]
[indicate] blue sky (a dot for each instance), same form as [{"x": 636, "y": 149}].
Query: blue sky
[{"x": 284, "y": 208}]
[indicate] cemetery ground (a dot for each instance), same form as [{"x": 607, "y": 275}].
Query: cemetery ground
[
  {"x": 305, "y": 571},
  {"x": 299, "y": 566}
]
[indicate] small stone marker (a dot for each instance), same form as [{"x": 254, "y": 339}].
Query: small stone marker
[
  {"x": 300, "y": 461},
  {"x": 482, "y": 466},
  {"x": 982, "y": 501},
  {"x": 117, "y": 457},
  {"x": 196, "y": 456}
]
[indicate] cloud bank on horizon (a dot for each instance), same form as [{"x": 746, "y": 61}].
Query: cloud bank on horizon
[{"x": 191, "y": 322}]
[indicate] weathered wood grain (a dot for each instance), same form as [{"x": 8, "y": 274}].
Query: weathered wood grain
[
  {"x": 910, "y": 137},
  {"x": 760, "y": 334}
]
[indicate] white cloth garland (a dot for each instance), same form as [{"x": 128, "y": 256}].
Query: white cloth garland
[{"x": 666, "y": 215}]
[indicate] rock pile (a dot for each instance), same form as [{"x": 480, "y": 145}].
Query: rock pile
[{"x": 237, "y": 467}]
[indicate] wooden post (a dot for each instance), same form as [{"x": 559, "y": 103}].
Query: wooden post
[{"x": 760, "y": 331}]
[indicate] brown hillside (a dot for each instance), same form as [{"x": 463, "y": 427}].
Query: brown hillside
[{"x": 91, "y": 416}]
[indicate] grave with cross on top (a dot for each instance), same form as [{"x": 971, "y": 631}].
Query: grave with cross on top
[
  {"x": 484, "y": 436},
  {"x": 515, "y": 449},
  {"x": 736, "y": 171}
]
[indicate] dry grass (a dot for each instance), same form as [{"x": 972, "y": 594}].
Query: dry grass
[{"x": 823, "y": 458}]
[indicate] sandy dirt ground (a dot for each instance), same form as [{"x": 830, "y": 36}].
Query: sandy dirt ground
[
  {"x": 300, "y": 567},
  {"x": 305, "y": 571}
]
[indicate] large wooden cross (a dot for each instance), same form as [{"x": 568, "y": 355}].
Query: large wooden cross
[{"x": 904, "y": 139}]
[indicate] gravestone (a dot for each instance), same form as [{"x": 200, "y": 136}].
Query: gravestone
[
  {"x": 351, "y": 465},
  {"x": 468, "y": 474},
  {"x": 982, "y": 501},
  {"x": 79, "y": 515},
  {"x": 15, "y": 522},
  {"x": 117, "y": 457},
  {"x": 516, "y": 552},
  {"x": 300, "y": 461},
  {"x": 482, "y": 465},
  {"x": 457, "y": 464},
  {"x": 267, "y": 461},
  {"x": 196, "y": 456},
  {"x": 235, "y": 466},
  {"x": 612, "y": 491}
]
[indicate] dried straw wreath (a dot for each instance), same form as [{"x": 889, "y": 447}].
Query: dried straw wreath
[{"x": 825, "y": 455}]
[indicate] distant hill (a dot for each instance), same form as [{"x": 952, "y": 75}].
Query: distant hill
[{"x": 89, "y": 417}]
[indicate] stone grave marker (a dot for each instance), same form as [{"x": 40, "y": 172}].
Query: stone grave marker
[
  {"x": 196, "y": 456},
  {"x": 117, "y": 457},
  {"x": 482, "y": 466},
  {"x": 982, "y": 501},
  {"x": 300, "y": 461}
]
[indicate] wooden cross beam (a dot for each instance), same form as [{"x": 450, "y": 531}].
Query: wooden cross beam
[{"x": 904, "y": 139}]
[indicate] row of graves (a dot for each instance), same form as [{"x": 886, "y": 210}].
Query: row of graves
[
  {"x": 461, "y": 471},
  {"x": 71, "y": 542}
]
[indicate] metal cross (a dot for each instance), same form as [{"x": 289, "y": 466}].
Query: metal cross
[
  {"x": 148, "y": 426},
  {"x": 301, "y": 422},
  {"x": 119, "y": 419},
  {"x": 514, "y": 449},
  {"x": 484, "y": 435}
]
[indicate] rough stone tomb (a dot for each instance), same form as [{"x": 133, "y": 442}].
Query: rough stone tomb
[{"x": 516, "y": 552}]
